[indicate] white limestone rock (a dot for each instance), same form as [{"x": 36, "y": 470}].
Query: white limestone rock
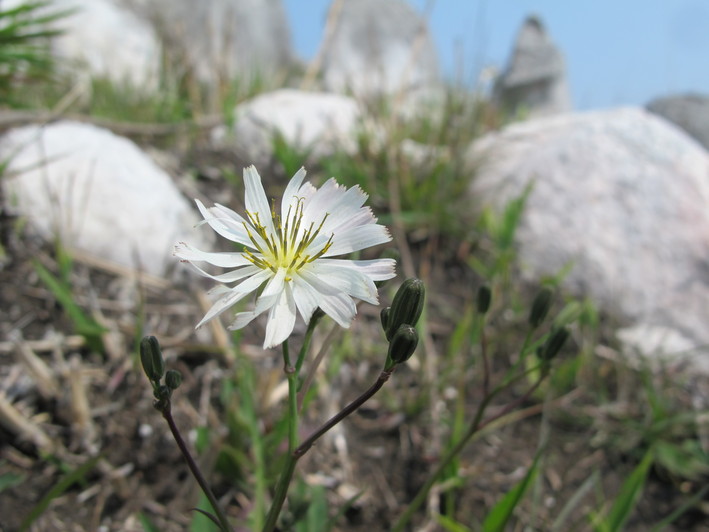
[
  {"x": 222, "y": 40},
  {"x": 99, "y": 193},
  {"x": 379, "y": 48},
  {"x": 314, "y": 122},
  {"x": 623, "y": 197},
  {"x": 105, "y": 38},
  {"x": 535, "y": 78}
]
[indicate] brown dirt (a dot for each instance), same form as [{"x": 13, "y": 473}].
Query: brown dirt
[{"x": 383, "y": 453}]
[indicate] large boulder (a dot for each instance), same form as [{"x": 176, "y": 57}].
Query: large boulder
[
  {"x": 534, "y": 80},
  {"x": 378, "y": 48},
  {"x": 214, "y": 41},
  {"x": 88, "y": 45},
  {"x": 99, "y": 193},
  {"x": 221, "y": 40},
  {"x": 315, "y": 123},
  {"x": 622, "y": 197},
  {"x": 688, "y": 111}
]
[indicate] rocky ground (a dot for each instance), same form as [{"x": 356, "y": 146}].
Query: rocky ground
[{"x": 67, "y": 406}]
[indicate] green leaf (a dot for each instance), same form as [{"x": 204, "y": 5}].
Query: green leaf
[{"x": 497, "y": 519}]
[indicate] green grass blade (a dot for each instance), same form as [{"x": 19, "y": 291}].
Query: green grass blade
[
  {"x": 147, "y": 524},
  {"x": 68, "y": 480},
  {"x": 84, "y": 324},
  {"x": 497, "y": 519},
  {"x": 688, "y": 504},
  {"x": 450, "y": 525},
  {"x": 571, "y": 507},
  {"x": 9, "y": 480},
  {"x": 629, "y": 494}
]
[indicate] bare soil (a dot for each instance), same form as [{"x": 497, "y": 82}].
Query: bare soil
[{"x": 73, "y": 403}]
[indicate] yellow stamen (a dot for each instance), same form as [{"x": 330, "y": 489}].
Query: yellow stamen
[{"x": 285, "y": 246}]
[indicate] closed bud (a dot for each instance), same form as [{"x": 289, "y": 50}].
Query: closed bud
[
  {"x": 557, "y": 339},
  {"x": 173, "y": 379},
  {"x": 484, "y": 298},
  {"x": 403, "y": 344},
  {"x": 162, "y": 397},
  {"x": 407, "y": 306},
  {"x": 384, "y": 316},
  {"x": 540, "y": 307},
  {"x": 151, "y": 358}
]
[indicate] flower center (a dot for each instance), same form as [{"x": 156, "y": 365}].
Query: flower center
[{"x": 289, "y": 245}]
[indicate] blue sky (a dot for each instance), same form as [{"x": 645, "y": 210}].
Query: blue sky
[{"x": 618, "y": 52}]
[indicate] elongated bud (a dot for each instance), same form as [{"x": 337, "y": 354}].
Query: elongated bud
[
  {"x": 484, "y": 298},
  {"x": 403, "y": 344},
  {"x": 173, "y": 379},
  {"x": 407, "y": 306},
  {"x": 384, "y": 316},
  {"x": 151, "y": 358},
  {"x": 557, "y": 339},
  {"x": 540, "y": 307}
]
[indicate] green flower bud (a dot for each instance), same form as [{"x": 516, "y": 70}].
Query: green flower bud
[
  {"x": 540, "y": 307},
  {"x": 173, "y": 379},
  {"x": 151, "y": 358},
  {"x": 484, "y": 298},
  {"x": 407, "y": 306},
  {"x": 162, "y": 397},
  {"x": 384, "y": 316},
  {"x": 403, "y": 344},
  {"x": 556, "y": 340}
]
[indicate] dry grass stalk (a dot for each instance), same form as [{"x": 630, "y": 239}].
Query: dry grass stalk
[
  {"x": 40, "y": 372},
  {"x": 80, "y": 410},
  {"x": 22, "y": 427}
]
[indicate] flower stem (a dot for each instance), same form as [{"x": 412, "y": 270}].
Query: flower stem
[
  {"x": 194, "y": 468},
  {"x": 289, "y": 468},
  {"x": 296, "y": 453},
  {"x": 342, "y": 414},
  {"x": 476, "y": 425}
]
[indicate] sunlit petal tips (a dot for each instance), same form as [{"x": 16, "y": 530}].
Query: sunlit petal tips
[{"x": 288, "y": 254}]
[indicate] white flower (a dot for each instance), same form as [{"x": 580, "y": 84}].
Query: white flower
[{"x": 291, "y": 253}]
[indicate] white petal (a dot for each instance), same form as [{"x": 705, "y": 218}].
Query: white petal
[
  {"x": 229, "y": 277},
  {"x": 276, "y": 284},
  {"x": 307, "y": 191},
  {"x": 317, "y": 283},
  {"x": 358, "y": 238},
  {"x": 235, "y": 294},
  {"x": 306, "y": 298},
  {"x": 347, "y": 208},
  {"x": 291, "y": 193},
  {"x": 255, "y": 199},
  {"x": 244, "y": 318},
  {"x": 224, "y": 260},
  {"x": 340, "y": 308},
  {"x": 361, "y": 216},
  {"x": 281, "y": 319},
  {"x": 218, "y": 291},
  {"x": 376, "y": 269},
  {"x": 347, "y": 280},
  {"x": 224, "y": 224},
  {"x": 320, "y": 202}
]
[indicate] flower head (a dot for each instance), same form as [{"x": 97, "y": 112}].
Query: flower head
[{"x": 290, "y": 253}]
